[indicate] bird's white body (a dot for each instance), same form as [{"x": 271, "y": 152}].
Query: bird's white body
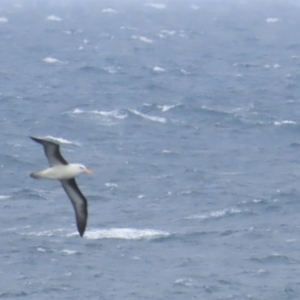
[{"x": 61, "y": 172}]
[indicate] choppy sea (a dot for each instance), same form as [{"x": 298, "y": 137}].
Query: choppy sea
[{"x": 188, "y": 112}]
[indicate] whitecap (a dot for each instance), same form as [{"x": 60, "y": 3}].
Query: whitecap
[
  {"x": 165, "y": 108},
  {"x": 54, "y": 18},
  {"x": 2, "y": 197},
  {"x": 184, "y": 72},
  {"x": 77, "y": 111},
  {"x": 216, "y": 214},
  {"x": 114, "y": 113},
  {"x": 111, "y": 70},
  {"x": 156, "y": 5},
  {"x": 128, "y": 27},
  {"x": 104, "y": 118},
  {"x": 42, "y": 233},
  {"x": 285, "y": 122},
  {"x": 165, "y": 33},
  {"x": 69, "y": 252},
  {"x": 184, "y": 281},
  {"x": 158, "y": 70},
  {"x": 41, "y": 249},
  {"x": 147, "y": 117},
  {"x": 291, "y": 240},
  {"x": 125, "y": 234},
  {"x": 272, "y": 20},
  {"x": 109, "y": 10},
  {"x": 111, "y": 185},
  {"x": 52, "y": 60},
  {"x": 142, "y": 39},
  {"x": 167, "y": 151},
  {"x": 3, "y": 20}
]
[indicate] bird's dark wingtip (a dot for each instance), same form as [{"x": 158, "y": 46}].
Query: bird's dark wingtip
[
  {"x": 35, "y": 139},
  {"x": 34, "y": 175}
]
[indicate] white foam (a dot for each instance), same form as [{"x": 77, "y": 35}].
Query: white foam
[
  {"x": 78, "y": 111},
  {"x": 216, "y": 214},
  {"x": 147, "y": 117},
  {"x": 167, "y": 151},
  {"x": 124, "y": 234},
  {"x": 54, "y": 18},
  {"x": 159, "y": 70},
  {"x": 120, "y": 114},
  {"x": 104, "y": 118},
  {"x": 2, "y": 197},
  {"x": 184, "y": 281},
  {"x": 109, "y": 10},
  {"x": 184, "y": 72},
  {"x": 111, "y": 185},
  {"x": 165, "y": 108},
  {"x": 3, "y": 20},
  {"x": 114, "y": 113},
  {"x": 69, "y": 252},
  {"x": 128, "y": 27},
  {"x": 291, "y": 240},
  {"x": 285, "y": 122},
  {"x": 272, "y": 20},
  {"x": 52, "y": 60},
  {"x": 156, "y": 5},
  {"x": 111, "y": 70},
  {"x": 165, "y": 33},
  {"x": 142, "y": 39},
  {"x": 42, "y": 233},
  {"x": 41, "y": 249}
]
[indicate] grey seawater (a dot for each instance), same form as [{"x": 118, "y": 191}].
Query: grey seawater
[{"x": 188, "y": 114}]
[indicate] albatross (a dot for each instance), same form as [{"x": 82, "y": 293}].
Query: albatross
[{"x": 61, "y": 170}]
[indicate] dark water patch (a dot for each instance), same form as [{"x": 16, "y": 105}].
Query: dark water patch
[
  {"x": 274, "y": 259},
  {"x": 13, "y": 294},
  {"x": 29, "y": 193}
]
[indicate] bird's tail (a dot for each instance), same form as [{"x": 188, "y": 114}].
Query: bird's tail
[{"x": 35, "y": 175}]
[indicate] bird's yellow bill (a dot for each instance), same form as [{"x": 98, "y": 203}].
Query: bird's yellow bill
[{"x": 87, "y": 171}]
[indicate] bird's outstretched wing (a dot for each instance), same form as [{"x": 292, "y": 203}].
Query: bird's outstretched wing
[
  {"x": 79, "y": 203},
  {"x": 51, "y": 151}
]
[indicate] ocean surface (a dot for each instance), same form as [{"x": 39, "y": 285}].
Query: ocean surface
[{"x": 188, "y": 112}]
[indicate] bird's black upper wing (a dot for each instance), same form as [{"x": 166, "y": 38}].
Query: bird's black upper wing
[
  {"x": 79, "y": 203},
  {"x": 51, "y": 151}
]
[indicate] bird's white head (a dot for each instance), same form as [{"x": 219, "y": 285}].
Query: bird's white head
[{"x": 80, "y": 169}]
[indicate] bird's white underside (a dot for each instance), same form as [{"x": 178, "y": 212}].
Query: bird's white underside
[{"x": 61, "y": 172}]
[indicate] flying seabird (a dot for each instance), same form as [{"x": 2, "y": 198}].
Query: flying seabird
[{"x": 61, "y": 170}]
